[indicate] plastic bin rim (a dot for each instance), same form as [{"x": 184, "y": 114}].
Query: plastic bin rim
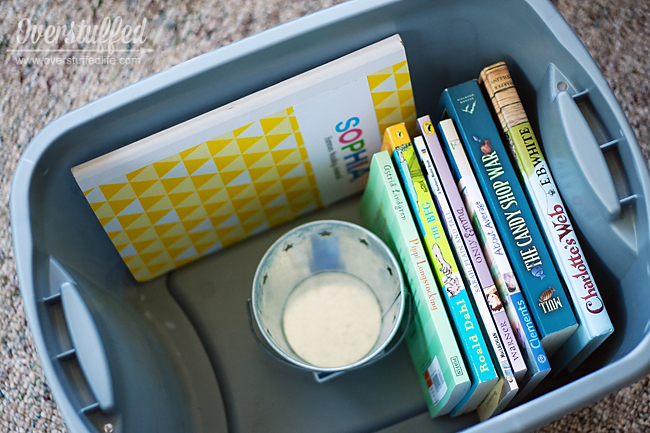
[{"x": 628, "y": 369}]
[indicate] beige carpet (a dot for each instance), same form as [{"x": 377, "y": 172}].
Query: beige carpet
[{"x": 616, "y": 32}]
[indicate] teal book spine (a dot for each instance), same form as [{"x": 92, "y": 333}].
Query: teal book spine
[
  {"x": 430, "y": 339},
  {"x": 509, "y": 293},
  {"x": 531, "y": 261},
  {"x": 447, "y": 274}
]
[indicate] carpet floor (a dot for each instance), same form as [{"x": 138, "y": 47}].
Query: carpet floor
[{"x": 616, "y": 33}]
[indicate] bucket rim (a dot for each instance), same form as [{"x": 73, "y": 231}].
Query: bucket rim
[{"x": 370, "y": 356}]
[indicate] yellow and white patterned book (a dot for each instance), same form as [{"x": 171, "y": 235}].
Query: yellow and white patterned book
[{"x": 302, "y": 144}]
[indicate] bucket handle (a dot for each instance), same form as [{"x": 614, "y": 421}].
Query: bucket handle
[{"x": 322, "y": 376}]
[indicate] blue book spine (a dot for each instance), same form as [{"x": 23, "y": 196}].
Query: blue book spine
[{"x": 534, "y": 269}]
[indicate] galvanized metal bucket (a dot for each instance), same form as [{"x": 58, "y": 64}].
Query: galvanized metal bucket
[{"x": 339, "y": 259}]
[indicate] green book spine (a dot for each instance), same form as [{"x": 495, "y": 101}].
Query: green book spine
[{"x": 431, "y": 341}]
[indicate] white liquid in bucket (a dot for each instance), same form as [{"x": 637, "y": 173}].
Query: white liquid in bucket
[{"x": 332, "y": 319}]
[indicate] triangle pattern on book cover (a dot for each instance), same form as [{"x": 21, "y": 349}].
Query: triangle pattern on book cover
[
  {"x": 392, "y": 97},
  {"x": 198, "y": 201}
]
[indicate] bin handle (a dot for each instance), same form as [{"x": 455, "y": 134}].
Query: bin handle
[
  {"x": 321, "y": 376},
  {"x": 569, "y": 137},
  {"x": 588, "y": 154},
  {"x": 88, "y": 346}
]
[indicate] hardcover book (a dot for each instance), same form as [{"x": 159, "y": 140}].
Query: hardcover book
[
  {"x": 430, "y": 339},
  {"x": 523, "y": 242},
  {"x": 509, "y": 293},
  {"x": 595, "y": 325},
  {"x": 445, "y": 270},
  {"x": 503, "y": 392},
  {"x": 252, "y": 164}
]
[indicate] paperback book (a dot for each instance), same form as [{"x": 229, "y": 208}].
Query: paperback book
[
  {"x": 502, "y": 393},
  {"x": 255, "y": 163},
  {"x": 512, "y": 300},
  {"x": 523, "y": 242},
  {"x": 595, "y": 324},
  {"x": 431, "y": 342},
  {"x": 474, "y": 248},
  {"x": 445, "y": 270}
]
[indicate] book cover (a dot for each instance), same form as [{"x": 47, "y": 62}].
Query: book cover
[
  {"x": 430, "y": 339},
  {"x": 509, "y": 293},
  {"x": 595, "y": 324},
  {"x": 531, "y": 261},
  {"x": 503, "y": 392},
  {"x": 473, "y": 247},
  {"x": 252, "y": 164},
  {"x": 445, "y": 270}
]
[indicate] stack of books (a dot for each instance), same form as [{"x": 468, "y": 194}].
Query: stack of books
[{"x": 468, "y": 212}]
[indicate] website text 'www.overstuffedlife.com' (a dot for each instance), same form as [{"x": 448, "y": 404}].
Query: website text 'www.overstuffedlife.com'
[
  {"x": 76, "y": 60},
  {"x": 112, "y": 42}
]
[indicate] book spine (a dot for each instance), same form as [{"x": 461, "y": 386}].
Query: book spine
[
  {"x": 472, "y": 246},
  {"x": 506, "y": 388},
  {"x": 447, "y": 275},
  {"x": 534, "y": 269},
  {"x": 507, "y": 287},
  {"x": 431, "y": 341},
  {"x": 595, "y": 323}
]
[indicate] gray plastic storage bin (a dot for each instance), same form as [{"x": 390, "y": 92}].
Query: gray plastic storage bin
[{"x": 176, "y": 354}]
